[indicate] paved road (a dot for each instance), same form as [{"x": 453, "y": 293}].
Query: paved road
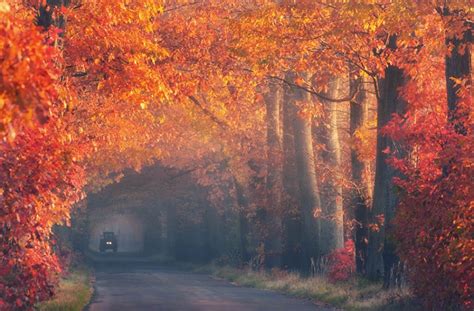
[{"x": 126, "y": 287}]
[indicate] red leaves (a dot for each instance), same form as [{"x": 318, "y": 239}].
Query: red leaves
[
  {"x": 18, "y": 303},
  {"x": 434, "y": 224},
  {"x": 39, "y": 188},
  {"x": 38, "y": 180},
  {"x": 122, "y": 56},
  {"x": 342, "y": 263},
  {"x": 27, "y": 75}
]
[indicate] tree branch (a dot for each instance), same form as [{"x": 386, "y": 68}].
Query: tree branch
[
  {"x": 181, "y": 6},
  {"x": 318, "y": 94},
  {"x": 208, "y": 113}
]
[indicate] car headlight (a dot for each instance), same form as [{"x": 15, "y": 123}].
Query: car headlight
[{"x": 109, "y": 243}]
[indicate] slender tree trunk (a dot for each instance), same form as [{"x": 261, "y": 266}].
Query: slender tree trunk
[
  {"x": 458, "y": 68},
  {"x": 333, "y": 210},
  {"x": 381, "y": 248},
  {"x": 273, "y": 222},
  {"x": 211, "y": 221},
  {"x": 359, "y": 111},
  {"x": 242, "y": 202},
  {"x": 171, "y": 227},
  {"x": 309, "y": 191}
]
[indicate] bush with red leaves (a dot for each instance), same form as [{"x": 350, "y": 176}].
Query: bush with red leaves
[{"x": 342, "y": 263}]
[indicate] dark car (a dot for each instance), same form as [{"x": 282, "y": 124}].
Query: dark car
[{"x": 108, "y": 241}]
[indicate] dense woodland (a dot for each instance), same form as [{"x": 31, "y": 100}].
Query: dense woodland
[{"x": 316, "y": 136}]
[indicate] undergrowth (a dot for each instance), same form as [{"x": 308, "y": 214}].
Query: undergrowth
[
  {"x": 355, "y": 294},
  {"x": 73, "y": 294}
]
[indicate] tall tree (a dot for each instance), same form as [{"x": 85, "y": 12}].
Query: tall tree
[
  {"x": 359, "y": 111},
  {"x": 171, "y": 229},
  {"x": 333, "y": 211},
  {"x": 292, "y": 218},
  {"x": 242, "y": 202},
  {"x": 381, "y": 248},
  {"x": 274, "y": 186},
  {"x": 308, "y": 184}
]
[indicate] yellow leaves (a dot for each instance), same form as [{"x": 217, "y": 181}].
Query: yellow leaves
[
  {"x": 363, "y": 140},
  {"x": 458, "y": 81},
  {"x": 143, "y": 16},
  {"x": 372, "y": 23},
  {"x": 11, "y": 133},
  {"x": 154, "y": 7},
  {"x": 4, "y": 7},
  {"x": 147, "y": 13},
  {"x": 143, "y": 105},
  {"x": 370, "y": 26},
  {"x": 2, "y": 100}
]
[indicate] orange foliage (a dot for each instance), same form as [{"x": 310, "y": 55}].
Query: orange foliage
[
  {"x": 40, "y": 175},
  {"x": 132, "y": 82}
]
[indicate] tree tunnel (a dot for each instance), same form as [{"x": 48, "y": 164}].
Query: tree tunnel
[{"x": 156, "y": 211}]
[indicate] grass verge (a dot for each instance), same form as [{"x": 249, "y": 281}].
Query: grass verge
[
  {"x": 354, "y": 295},
  {"x": 73, "y": 294}
]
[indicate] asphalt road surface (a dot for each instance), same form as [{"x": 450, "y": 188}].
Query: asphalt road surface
[{"x": 145, "y": 287}]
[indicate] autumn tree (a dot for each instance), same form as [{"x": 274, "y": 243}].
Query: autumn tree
[
  {"x": 273, "y": 101},
  {"x": 40, "y": 174},
  {"x": 435, "y": 211},
  {"x": 360, "y": 166},
  {"x": 234, "y": 95},
  {"x": 307, "y": 182}
]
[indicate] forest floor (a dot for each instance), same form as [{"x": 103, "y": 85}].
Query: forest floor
[
  {"x": 74, "y": 292},
  {"x": 355, "y": 294}
]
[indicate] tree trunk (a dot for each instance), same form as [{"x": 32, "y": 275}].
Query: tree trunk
[
  {"x": 45, "y": 16},
  {"x": 359, "y": 111},
  {"x": 309, "y": 191},
  {"x": 458, "y": 68},
  {"x": 171, "y": 227},
  {"x": 273, "y": 223},
  {"x": 242, "y": 202},
  {"x": 381, "y": 249},
  {"x": 292, "y": 221},
  {"x": 333, "y": 210}
]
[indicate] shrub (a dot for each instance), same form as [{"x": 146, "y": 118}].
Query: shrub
[
  {"x": 342, "y": 263},
  {"x": 434, "y": 223}
]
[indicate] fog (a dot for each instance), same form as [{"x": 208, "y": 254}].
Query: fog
[{"x": 128, "y": 229}]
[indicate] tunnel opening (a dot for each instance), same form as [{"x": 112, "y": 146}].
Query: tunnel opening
[
  {"x": 157, "y": 212},
  {"x": 126, "y": 228}
]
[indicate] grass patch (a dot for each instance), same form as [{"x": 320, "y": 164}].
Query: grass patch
[
  {"x": 355, "y": 295},
  {"x": 73, "y": 294}
]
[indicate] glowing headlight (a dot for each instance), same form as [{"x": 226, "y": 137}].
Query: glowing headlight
[{"x": 109, "y": 243}]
